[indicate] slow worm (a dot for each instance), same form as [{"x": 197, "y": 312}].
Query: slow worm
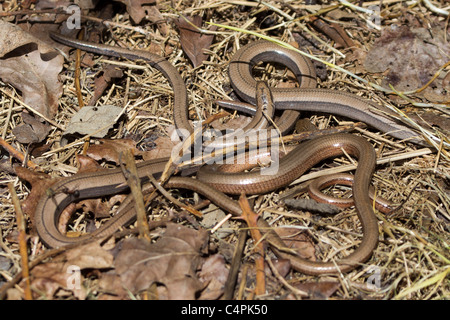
[
  {"x": 294, "y": 164},
  {"x": 214, "y": 184}
]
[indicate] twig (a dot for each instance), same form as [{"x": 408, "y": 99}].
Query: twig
[
  {"x": 134, "y": 183},
  {"x": 172, "y": 199},
  {"x": 294, "y": 290},
  {"x": 235, "y": 264},
  {"x": 16, "y": 154},
  {"x": 22, "y": 241},
  {"x": 250, "y": 217}
]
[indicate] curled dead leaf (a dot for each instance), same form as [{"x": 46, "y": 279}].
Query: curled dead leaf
[
  {"x": 214, "y": 273},
  {"x": 297, "y": 240},
  {"x": 32, "y": 130},
  {"x": 411, "y": 56},
  {"x": 40, "y": 182},
  {"x": 171, "y": 261},
  {"x": 192, "y": 40},
  {"x": 31, "y": 66},
  {"x": 64, "y": 272}
]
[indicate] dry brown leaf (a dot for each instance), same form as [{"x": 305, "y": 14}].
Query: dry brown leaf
[
  {"x": 64, "y": 272},
  {"x": 31, "y": 66},
  {"x": 32, "y": 130},
  {"x": 40, "y": 182},
  {"x": 297, "y": 240},
  {"x": 102, "y": 81},
  {"x": 110, "y": 150},
  {"x": 51, "y": 4},
  {"x": 215, "y": 273},
  {"x": 98, "y": 207},
  {"x": 411, "y": 56},
  {"x": 319, "y": 290},
  {"x": 140, "y": 9},
  {"x": 192, "y": 41},
  {"x": 87, "y": 164},
  {"x": 163, "y": 149},
  {"x": 171, "y": 261}
]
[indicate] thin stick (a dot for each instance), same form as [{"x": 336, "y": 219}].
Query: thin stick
[
  {"x": 16, "y": 154},
  {"x": 235, "y": 264},
  {"x": 134, "y": 183},
  {"x": 294, "y": 290},
  {"x": 166, "y": 194},
  {"x": 250, "y": 217},
  {"x": 22, "y": 241}
]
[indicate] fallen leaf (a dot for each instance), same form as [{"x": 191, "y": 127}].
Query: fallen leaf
[
  {"x": 32, "y": 130},
  {"x": 319, "y": 290},
  {"x": 40, "y": 182},
  {"x": 162, "y": 149},
  {"x": 87, "y": 164},
  {"x": 192, "y": 41},
  {"x": 411, "y": 56},
  {"x": 93, "y": 121},
  {"x": 111, "y": 150},
  {"x": 64, "y": 272},
  {"x": 102, "y": 81},
  {"x": 296, "y": 239},
  {"x": 31, "y": 66},
  {"x": 140, "y": 9},
  {"x": 171, "y": 261},
  {"x": 214, "y": 273}
]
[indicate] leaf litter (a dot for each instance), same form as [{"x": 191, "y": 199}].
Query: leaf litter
[{"x": 419, "y": 229}]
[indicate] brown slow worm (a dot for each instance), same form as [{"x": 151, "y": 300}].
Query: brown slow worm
[
  {"x": 294, "y": 164},
  {"x": 315, "y": 186},
  {"x": 106, "y": 182},
  {"x": 305, "y": 98},
  {"x": 293, "y": 100}
]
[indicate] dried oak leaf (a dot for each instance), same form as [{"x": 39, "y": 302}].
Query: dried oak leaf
[
  {"x": 215, "y": 273},
  {"x": 411, "y": 56},
  {"x": 32, "y": 130},
  {"x": 64, "y": 273},
  {"x": 102, "y": 81},
  {"x": 319, "y": 290},
  {"x": 31, "y": 66},
  {"x": 192, "y": 41},
  {"x": 139, "y": 9},
  {"x": 163, "y": 148},
  {"x": 40, "y": 182},
  {"x": 171, "y": 261},
  {"x": 110, "y": 150},
  {"x": 297, "y": 240}
]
